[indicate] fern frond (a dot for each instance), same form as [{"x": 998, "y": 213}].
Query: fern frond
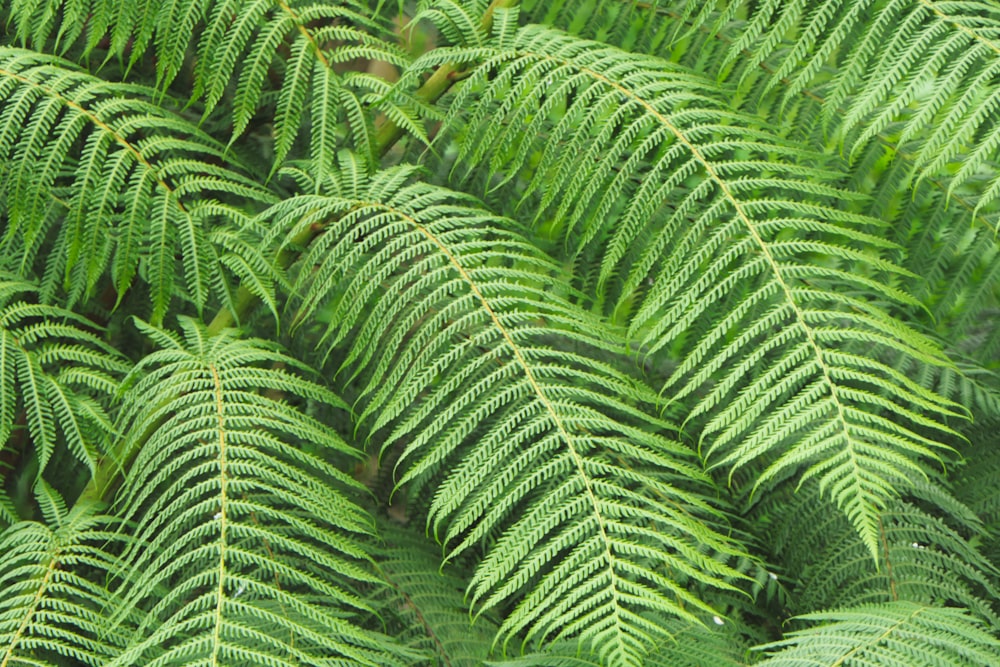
[
  {"x": 308, "y": 40},
  {"x": 53, "y": 599},
  {"x": 922, "y": 556},
  {"x": 923, "y": 70},
  {"x": 895, "y": 634},
  {"x": 689, "y": 646},
  {"x": 56, "y": 376},
  {"x": 458, "y": 22},
  {"x": 426, "y": 605},
  {"x": 247, "y": 548},
  {"x": 730, "y": 231},
  {"x": 110, "y": 180},
  {"x": 543, "y": 456}
]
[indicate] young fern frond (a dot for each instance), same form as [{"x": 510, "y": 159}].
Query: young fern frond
[
  {"x": 100, "y": 179},
  {"x": 892, "y": 634},
  {"x": 55, "y": 377},
  {"x": 246, "y": 548},
  {"x": 53, "y": 599},
  {"x": 590, "y": 516},
  {"x": 748, "y": 241}
]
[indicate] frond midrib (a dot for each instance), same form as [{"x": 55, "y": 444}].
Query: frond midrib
[
  {"x": 104, "y": 127},
  {"x": 220, "y": 592},
  {"x": 947, "y": 18}
]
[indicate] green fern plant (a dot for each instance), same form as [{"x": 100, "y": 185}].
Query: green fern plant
[{"x": 455, "y": 332}]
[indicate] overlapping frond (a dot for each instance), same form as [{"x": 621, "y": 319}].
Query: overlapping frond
[
  {"x": 893, "y": 634},
  {"x": 305, "y": 42},
  {"x": 53, "y": 598},
  {"x": 425, "y": 605},
  {"x": 732, "y": 266},
  {"x": 738, "y": 256},
  {"x": 689, "y": 646},
  {"x": 923, "y": 557},
  {"x": 291, "y": 54},
  {"x": 247, "y": 548},
  {"x": 56, "y": 376},
  {"x": 472, "y": 365},
  {"x": 96, "y": 178},
  {"x": 924, "y": 70},
  {"x": 951, "y": 252},
  {"x": 975, "y": 484}
]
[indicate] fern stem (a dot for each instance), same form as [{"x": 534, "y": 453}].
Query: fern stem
[{"x": 437, "y": 85}]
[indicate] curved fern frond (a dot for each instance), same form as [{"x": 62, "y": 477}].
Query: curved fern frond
[
  {"x": 895, "y": 634},
  {"x": 243, "y": 51},
  {"x": 103, "y": 180},
  {"x": 590, "y": 516},
  {"x": 247, "y": 548},
  {"x": 745, "y": 252},
  {"x": 925, "y": 69},
  {"x": 53, "y": 601},
  {"x": 55, "y": 377}
]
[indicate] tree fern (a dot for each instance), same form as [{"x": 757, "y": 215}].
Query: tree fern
[
  {"x": 487, "y": 332},
  {"x": 460, "y": 333}
]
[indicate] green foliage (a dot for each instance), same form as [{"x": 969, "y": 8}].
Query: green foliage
[
  {"x": 52, "y": 586},
  {"x": 246, "y": 549},
  {"x": 898, "y": 633},
  {"x": 576, "y": 333}
]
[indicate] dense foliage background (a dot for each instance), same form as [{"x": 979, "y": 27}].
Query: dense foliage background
[{"x": 580, "y": 332}]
